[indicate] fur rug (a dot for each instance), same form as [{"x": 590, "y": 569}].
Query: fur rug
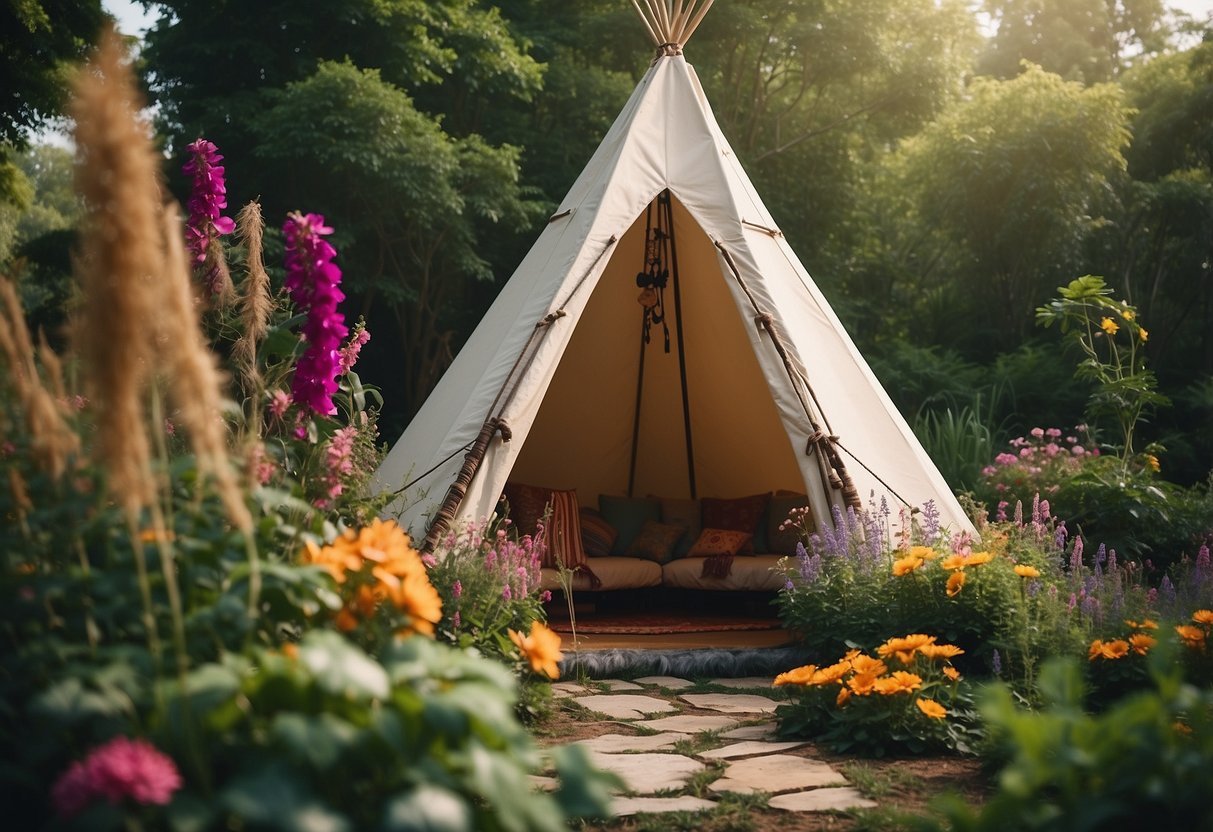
[{"x": 687, "y": 664}]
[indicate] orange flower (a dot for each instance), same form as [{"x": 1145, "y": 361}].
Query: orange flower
[
  {"x": 952, "y": 673},
  {"x": 904, "y": 647},
  {"x": 906, "y": 565},
  {"x": 1025, "y": 571},
  {"x": 940, "y": 651},
  {"x": 978, "y": 558},
  {"x": 541, "y": 648},
  {"x": 797, "y": 676},
  {"x": 862, "y": 664},
  {"x": 1115, "y": 649},
  {"x": 862, "y": 683},
  {"x": 1141, "y": 643},
  {"x": 899, "y": 682},
  {"x": 953, "y": 562},
  {"x": 1192, "y": 637},
  {"x": 833, "y": 673},
  {"x": 336, "y": 560},
  {"x": 924, "y": 552},
  {"x": 415, "y": 595},
  {"x": 1203, "y": 616},
  {"x": 931, "y": 708},
  {"x": 843, "y": 695},
  {"x": 290, "y": 650},
  {"x": 955, "y": 583},
  {"x": 1144, "y": 624}
]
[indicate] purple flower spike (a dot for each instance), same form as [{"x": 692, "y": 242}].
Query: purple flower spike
[
  {"x": 208, "y": 198},
  {"x": 312, "y": 279}
]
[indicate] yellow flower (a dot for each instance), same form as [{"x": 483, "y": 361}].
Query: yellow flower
[
  {"x": 1152, "y": 461},
  {"x": 1109, "y": 326},
  {"x": 843, "y": 695},
  {"x": 906, "y": 565},
  {"x": 1192, "y": 637},
  {"x": 955, "y": 583},
  {"x": 905, "y": 647},
  {"x": 1025, "y": 571},
  {"x": 953, "y": 562},
  {"x": 833, "y": 673},
  {"x": 1144, "y": 624},
  {"x": 978, "y": 558},
  {"x": 541, "y": 648},
  {"x": 797, "y": 676},
  {"x": 931, "y": 708},
  {"x": 1203, "y": 616},
  {"x": 899, "y": 682},
  {"x": 940, "y": 651},
  {"x": 866, "y": 665},
  {"x": 1143, "y": 334},
  {"x": 1141, "y": 643},
  {"x": 1128, "y": 314},
  {"x": 952, "y": 673},
  {"x": 862, "y": 684},
  {"x": 924, "y": 552}
]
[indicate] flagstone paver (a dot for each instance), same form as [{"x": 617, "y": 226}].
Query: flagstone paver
[
  {"x": 568, "y": 689},
  {"x": 761, "y": 731},
  {"x": 619, "y": 684},
  {"x": 749, "y": 748},
  {"x": 624, "y": 705},
  {"x": 671, "y": 682},
  {"x": 690, "y": 723},
  {"x": 822, "y": 800},
  {"x": 776, "y": 773},
  {"x": 619, "y": 743},
  {"x": 731, "y": 703},
  {"x": 745, "y": 682},
  {"x": 649, "y": 773},
  {"x": 625, "y": 806}
]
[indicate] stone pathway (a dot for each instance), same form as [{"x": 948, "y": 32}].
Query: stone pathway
[{"x": 654, "y": 772}]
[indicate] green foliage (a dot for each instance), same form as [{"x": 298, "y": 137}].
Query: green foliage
[
  {"x": 1141, "y": 764},
  {"x": 958, "y": 443}
]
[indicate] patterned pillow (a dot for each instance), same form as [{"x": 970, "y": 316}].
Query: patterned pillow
[
  {"x": 686, "y": 513},
  {"x": 783, "y": 541},
  {"x": 655, "y": 542},
  {"x": 597, "y": 535},
  {"x": 739, "y": 514},
  {"x": 627, "y": 515},
  {"x": 527, "y": 504},
  {"x": 719, "y": 542},
  {"x": 564, "y": 533}
]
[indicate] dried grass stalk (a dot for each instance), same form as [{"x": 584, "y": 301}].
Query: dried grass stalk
[
  {"x": 53, "y": 442},
  {"x": 195, "y": 382},
  {"x": 256, "y": 303},
  {"x": 218, "y": 276},
  {"x": 116, "y": 173}
]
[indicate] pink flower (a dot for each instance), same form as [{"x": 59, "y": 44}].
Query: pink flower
[
  {"x": 1006, "y": 459},
  {"x": 988, "y": 471},
  {"x": 1078, "y": 450},
  {"x": 208, "y": 198},
  {"x": 280, "y": 402},
  {"x": 457, "y": 589},
  {"x": 1037, "y": 432},
  {"x": 122, "y": 768},
  {"x": 349, "y": 353},
  {"x": 312, "y": 279},
  {"x": 545, "y": 596},
  {"x": 1052, "y": 448},
  {"x": 1024, "y": 453},
  {"x": 1053, "y": 433}
]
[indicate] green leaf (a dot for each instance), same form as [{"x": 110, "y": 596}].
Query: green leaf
[
  {"x": 427, "y": 809},
  {"x": 342, "y": 669},
  {"x": 319, "y": 740}
]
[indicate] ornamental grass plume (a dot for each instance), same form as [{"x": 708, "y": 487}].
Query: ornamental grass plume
[
  {"x": 195, "y": 382},
  {"x": 121, "y": 260},
  {"x": 256, "y": 302},
  {"x": 52, "y": 440}
]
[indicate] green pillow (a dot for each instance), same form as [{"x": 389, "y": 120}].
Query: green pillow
[
  {"x": 656, "y": 542},
  {"x": 628, "y": 516}
]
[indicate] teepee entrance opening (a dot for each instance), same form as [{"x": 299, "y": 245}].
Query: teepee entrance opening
[{"x": 613, "y": 418}]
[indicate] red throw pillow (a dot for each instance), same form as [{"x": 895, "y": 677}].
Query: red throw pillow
[
  {"x": 713, "y": 542},
  {"x": 527, "y": 504},
  {"x": 739, "y": 514}
]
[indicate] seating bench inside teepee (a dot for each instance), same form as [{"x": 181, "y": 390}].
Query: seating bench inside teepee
[{"x": 660, "y": 358}]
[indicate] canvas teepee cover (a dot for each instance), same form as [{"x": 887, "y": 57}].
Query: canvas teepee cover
[{"x": 761, "y": 388}]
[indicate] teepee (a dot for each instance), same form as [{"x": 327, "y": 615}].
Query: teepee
[{"x": 660, "y": 338}]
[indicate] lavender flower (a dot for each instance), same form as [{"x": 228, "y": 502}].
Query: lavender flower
[
  {"x": 1076, "y": 557},
  {"x": 312, "y": 279},
  {"x": 996, "y": 663},
  {"x": 930, "y": 523}
]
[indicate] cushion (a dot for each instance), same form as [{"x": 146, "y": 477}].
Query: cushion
[
  {"x": 627, "y": 515},
  {"x": 611, "y": 573},
  {"x": 739, "y": 514},
  {"x": 762, "y": 574},
  {"x": 719, "y": 542},
  {"x": 564, "y": 533},
  {"x": 655, "y": 542},
  {"x": 527, "y": 504},
  {"x": 685, "y": 513},
  {"x": 783, "y": 541},
  {"x": 597, "y": 535}
]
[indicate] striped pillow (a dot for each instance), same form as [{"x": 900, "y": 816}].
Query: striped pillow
[
  {"x": 564, "y": 534},
  {"x": 597, "y": 535}
]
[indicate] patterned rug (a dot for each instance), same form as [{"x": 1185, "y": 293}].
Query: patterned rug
[{"x": 659, "y": 623}]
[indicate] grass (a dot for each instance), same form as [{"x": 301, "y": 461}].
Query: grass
[
  {"x": 698, "y": 743},
  {"x": 876, "y": 783}
]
